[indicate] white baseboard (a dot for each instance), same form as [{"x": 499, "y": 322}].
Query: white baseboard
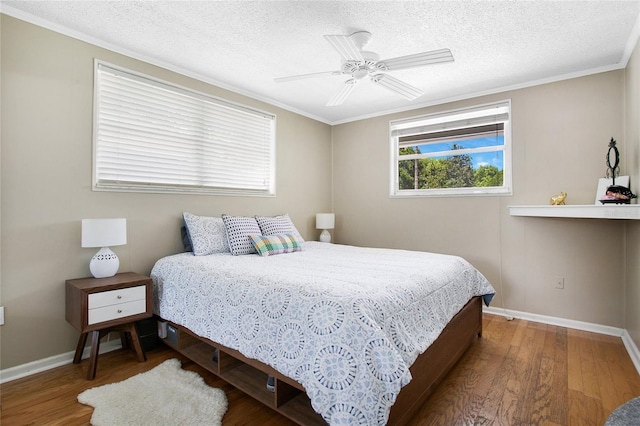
[
  {"x": 562, "y": 322},
  {"x": 34, "y": 367},
  {"x": 632, "y": 349},
  {"x": 24, "y": 370}
]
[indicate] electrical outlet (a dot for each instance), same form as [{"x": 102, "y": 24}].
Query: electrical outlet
[
  {"x": 1, "y": 315},
  {"x": 558, "y": 282}
]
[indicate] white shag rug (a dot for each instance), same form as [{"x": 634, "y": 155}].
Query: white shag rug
[{"x": 165, "y": 395}]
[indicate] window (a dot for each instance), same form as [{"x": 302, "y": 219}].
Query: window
[
  {"x": 461, "y": 152},
  {"x": 152, "y": 136}
]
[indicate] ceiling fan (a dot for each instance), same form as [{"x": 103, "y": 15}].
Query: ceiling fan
[{"x": 359, "y": 64}]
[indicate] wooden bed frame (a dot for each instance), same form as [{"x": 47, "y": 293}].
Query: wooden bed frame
[{"x": 289, "y": 398}]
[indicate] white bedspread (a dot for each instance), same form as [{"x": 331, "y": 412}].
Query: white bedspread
[{"x": 345, "y": 322}]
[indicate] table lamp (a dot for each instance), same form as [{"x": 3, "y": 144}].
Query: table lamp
[
  {"x": 104, "y": 233},
  {"x": 325, "y": 221}
]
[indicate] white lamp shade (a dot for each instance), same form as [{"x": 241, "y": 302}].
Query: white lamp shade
[
  {"x": 325, "y": 220},
  {"x": 104, "y": 232}
]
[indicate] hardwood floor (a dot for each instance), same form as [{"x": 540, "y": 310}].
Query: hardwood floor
[{"x": 518, "y": 373}]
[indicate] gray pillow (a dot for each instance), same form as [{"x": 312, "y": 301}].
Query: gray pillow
[{"x": 207, "y": 234}]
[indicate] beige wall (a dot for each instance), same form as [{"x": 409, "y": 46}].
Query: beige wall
[
  {"x": 47, "y": 95},
  {"x": 632, "y": 255},
  {"x": 561, "y": 133},
  {"x": 560, "y": 137}
]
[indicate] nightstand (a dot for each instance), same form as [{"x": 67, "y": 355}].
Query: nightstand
[{"x": 101, "y": 305}]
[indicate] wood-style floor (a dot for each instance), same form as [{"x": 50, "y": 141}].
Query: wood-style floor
[{"x": 518, "y": 373}]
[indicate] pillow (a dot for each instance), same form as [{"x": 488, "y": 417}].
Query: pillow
[
  {"x": 186, "y": 242},
  {"x": 206, "y": 234},
  {"x": 238, "y": 230},
  {"x": 267, "y": 245},
  {"x": 278, "y": 225}
]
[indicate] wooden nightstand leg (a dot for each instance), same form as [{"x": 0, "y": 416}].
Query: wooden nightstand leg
[
  {"x": 82, "y": 340},
  {"x": 93, "y": 359},
  {"x": 135, "y": 341}
]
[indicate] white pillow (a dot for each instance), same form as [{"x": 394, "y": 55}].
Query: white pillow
[
  {"x": 207, "y": 234},
  {"x": 278, "y": 225},
  {"x": 238, "y": 230}
]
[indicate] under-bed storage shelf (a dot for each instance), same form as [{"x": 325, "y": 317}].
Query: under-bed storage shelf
[
  {"x": 247, "y": 375},
  {"x": 289, "y": 399},
  {"x": 202, "y": 355},
  {"x": 250, "y": 381}
]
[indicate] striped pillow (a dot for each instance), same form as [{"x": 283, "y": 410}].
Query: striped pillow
[
  {"x": 238, "y": 230},
  {"x": 278, "y": 225},
  {"x": 267, "y": 245}
]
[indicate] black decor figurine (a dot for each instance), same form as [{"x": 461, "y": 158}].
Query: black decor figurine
[
  {"x": 616, "y": 194},
  {"x": 613, "y": 159}
]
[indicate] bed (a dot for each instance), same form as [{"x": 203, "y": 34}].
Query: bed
[{"x": 357, "y": 335}]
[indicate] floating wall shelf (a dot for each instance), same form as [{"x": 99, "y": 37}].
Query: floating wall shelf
[{"x": 611, "y": 211}]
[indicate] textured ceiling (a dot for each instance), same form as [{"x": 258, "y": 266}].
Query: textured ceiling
[{"x": 244, "y": 45}]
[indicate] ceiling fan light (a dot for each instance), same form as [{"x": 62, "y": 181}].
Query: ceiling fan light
[
  {"x": 360, "y": 74},
  {"x": 398, "y": 86}
]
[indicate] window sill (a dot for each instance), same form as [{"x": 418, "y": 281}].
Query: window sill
[{"x": 611, "y": 211}]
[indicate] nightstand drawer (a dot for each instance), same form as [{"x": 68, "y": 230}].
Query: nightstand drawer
[
  {"x": 120, "y": 310},
  {"x": 113, "y": 297}
]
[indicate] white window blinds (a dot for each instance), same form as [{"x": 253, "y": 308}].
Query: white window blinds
[
  {"x": 153, "y": 136},
  {"x": 465, "y": 118}
]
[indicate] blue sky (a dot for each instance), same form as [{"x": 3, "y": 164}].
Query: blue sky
[{"x": 479, "y": 159}]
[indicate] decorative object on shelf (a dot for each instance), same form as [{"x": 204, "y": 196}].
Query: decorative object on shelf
[
  {"x": 104, "y": 233},
  {"x": 618, "y": 194},
  {"x": 615, "y": 194},
  {"x": 604, "y": 183},
  {"x": 558, "y": 200},
  {"x": 613, "y": 161},
  {"x": 325, "y": 221}
]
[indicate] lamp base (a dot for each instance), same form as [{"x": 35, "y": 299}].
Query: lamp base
[
  {"x": 104, "y": 263},
  {"x": 325, "y": 236}
]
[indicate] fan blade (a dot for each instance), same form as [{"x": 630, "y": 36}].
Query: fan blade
[
  {"x": 342, "y": 94},
  {"x": 416, "y": 60},
  {"x": 397, "y": 86},
  {"x": 345, "y": 47},
  {"x": 303, "y": 76}
]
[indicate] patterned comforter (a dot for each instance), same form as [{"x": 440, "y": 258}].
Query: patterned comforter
[{"x": 346, "y": 322}]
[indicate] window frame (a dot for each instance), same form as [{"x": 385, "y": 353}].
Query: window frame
[
  {"x": 460, "y": 118},
  {"x": 268, "y": 143}
]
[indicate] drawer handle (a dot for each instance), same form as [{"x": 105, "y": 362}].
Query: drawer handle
[
  {"x": 119, "y": 311},
  {"x": 119, "y": 297}
]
